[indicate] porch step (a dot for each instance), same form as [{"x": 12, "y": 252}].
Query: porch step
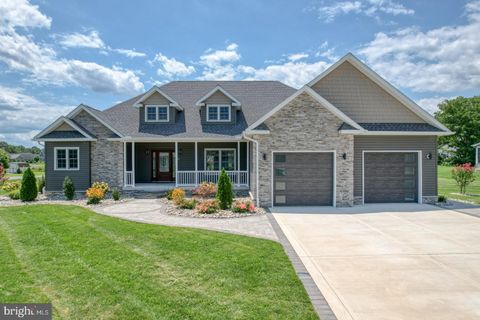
[{"x": 145, "y": 194}]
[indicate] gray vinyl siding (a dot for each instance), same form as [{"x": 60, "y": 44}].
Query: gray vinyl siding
[
  {"x": 186, "y": 156},
  {"x": 54, "y": 178},
  {"x": 218, "y": 98},
  {"x": 233, "y": 117},
  {"x": 426, "y": 144},
  {"x": 172, "y": 117}
]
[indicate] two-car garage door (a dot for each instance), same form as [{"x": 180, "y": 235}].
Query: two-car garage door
[{"x": 303, "y": 179}]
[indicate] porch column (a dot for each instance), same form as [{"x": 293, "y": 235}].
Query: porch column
[
  {"x": 196, "y": 163},
  {"x": 176, "y": 163},
  {"x": 133, "y": 163},
  {"x": 238, "y": 163},
  {"x": 248, "y": 163},
  {"x": 124, "y": 164}
]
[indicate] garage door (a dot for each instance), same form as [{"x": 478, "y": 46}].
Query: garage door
[
  {"x": 390, "y": 177},
  {"x": 303, "y": 179}
]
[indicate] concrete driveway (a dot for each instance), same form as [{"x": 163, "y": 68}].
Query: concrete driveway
[{"x": 401, "y": 261}]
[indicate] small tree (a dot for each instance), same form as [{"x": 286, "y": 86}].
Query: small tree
[
  {"x": 2, "y": 175},
  {"x": 224, "y": 191},
  {"x": 4, "y": 159},
  {"x": 68, "y": 188},
  {"x": 28, "y": 190},
  {"x": 463, "y": 175}
]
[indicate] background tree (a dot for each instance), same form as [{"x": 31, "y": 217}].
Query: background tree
[
  {"x": 462, "y": 116},
  {"x": 4, "y": 158}
]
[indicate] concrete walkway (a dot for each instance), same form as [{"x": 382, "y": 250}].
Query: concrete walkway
[
  {"x": 399, "y": 261},
  {"x": 152, "y": 211}
]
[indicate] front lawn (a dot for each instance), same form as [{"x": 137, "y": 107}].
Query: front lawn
[
  {"x": 93, "y": 266},
  {"x": 448, "y": 187}
]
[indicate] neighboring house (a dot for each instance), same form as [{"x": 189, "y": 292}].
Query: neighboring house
[
  {"x": 347, "y": 137},
  {"x": 477, "y": 155},
  {"x": 22, "y": 157},
  {"x": 14, "y": 166}
]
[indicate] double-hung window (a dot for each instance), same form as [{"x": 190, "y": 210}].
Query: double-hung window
[
  {"x": 67, "y": 158},
  {"x": 218, "y": 159},
  {"x": 218, "y": 113},
  {"x": 156, "y": 114}
]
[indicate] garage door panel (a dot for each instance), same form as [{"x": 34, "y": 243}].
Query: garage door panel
[
  {"x": 303, "y": 179},
  {"x": 390, "y": 177}
]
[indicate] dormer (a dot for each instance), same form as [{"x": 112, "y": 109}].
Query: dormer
[
  {"x": 156, "y": 107},
  {"x": 218, "y": 107}
]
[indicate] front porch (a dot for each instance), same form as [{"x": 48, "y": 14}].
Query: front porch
[{"x": 159, "y": 166}]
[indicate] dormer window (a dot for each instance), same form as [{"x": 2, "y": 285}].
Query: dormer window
[
  {"x": 156, "y": 113},
  {"x": 219, "y": 113}
]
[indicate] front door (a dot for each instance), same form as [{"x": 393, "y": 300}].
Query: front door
[{"x": 162, "y": 165}]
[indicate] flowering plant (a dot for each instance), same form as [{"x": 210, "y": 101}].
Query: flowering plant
[
  {"x": 2, "y": 175},
  {"x": 94, "y": 195},
  {"x": 11, "y": 185},
  {"x": 207, "y": 206},
  {"x": 178, "y": 194},
  {"x": 243, "y": 206},
  {"x": 101, "y": 185},
  {"x": 205, "y": 190},
  {"x": 463, "y": 175}
]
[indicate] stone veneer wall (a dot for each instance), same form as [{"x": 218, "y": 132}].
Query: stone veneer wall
[
  {"x": 303, "y": 125},
  {"x": 106, "y": 157}
]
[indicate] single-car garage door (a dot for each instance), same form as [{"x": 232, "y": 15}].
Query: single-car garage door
[
  {"x": 303, "y": 179},
  {"x": 390, "y": 177}
]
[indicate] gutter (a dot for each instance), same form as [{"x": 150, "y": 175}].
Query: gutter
[{"x": 257, "y": 199}]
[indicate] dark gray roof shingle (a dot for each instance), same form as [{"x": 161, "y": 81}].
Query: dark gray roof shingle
[
  {"x": 421, "y": 127},
  {"x": 63, "y": 135},
  {"x": 257, "y": 99}
]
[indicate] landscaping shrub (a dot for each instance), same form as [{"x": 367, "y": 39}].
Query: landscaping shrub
[
  {"x": 14, "y": 194},
  {"x": 463, "y": 175},
  {"x": 94, "y": 195},
  {"x": 68, "y": 188},
  {"x": 207, "y": 206},
  {"x": 205, "y": 190},
  {"x": 28, "y": 190},
  {"x": 41, "y": 183},
  {"x": 11, "y": 185},
  {"x": 178, "y": 194},
  {"x": 224, "y": 191},
  {"x": 168, "y": 194},
  {"x": 4, "y": 159},
  {"x": 243, "y": 206},
  {"x": 115, "y": 194},
  {"x": 188, "y": 204},
  {"x": 442, "y": 199},
  {"x": 101, "y": 185},
  {"x": 3, "y": 178}
]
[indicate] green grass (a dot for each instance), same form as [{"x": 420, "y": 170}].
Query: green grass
[
  {"x": 37, "y": 168},
  {"x": 447, "y": 186},
  {"x": 93, "y": 266}
]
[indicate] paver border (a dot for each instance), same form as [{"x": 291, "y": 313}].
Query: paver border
[{"x": 319, "y": 302}]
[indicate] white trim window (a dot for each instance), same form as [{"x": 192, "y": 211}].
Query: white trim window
[
  {"x": 218, "y": 159},
  {"x": 219, "y": 113},
  {"x": 154, "y": 113},
  {"x": 67, "y": 158}
]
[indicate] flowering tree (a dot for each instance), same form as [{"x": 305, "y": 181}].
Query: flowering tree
[
  {"x": 463, "y": 175},
  {"x": 2, "y": 175}
]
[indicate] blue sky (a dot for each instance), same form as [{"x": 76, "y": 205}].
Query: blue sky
[{"x": 55, "y": 55}]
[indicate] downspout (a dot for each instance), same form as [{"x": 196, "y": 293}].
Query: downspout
[{"x": 257, "y": 200}]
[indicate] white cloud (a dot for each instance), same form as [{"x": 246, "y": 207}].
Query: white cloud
[
  {"x": 20, "y": 13},
  {"x": 131, "y": 53},
  {"x": 371, "y": 8},
  {"x": 444, "y": 59},
  {"x": 22, "y": 115},
  {"x": 297, "y": 56},
  {"x": 171, "y": 67},
  {"x": 79, "y": 40},
  {"x": 431, "y": 104},
  {"x": 218, "y": 64},
  {"x": 21, "y": 53}
]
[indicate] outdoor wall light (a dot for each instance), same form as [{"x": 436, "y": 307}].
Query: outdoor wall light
[
  {"x": 344, "y": 156},
  {"x": 264, "y": 156},
  {"x": 147, "y": 152},
  {"x": 428, "y": 156}
]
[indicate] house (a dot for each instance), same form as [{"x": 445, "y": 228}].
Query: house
[
  {"x": 23, "y": 157},
  {"x": 347, "y": 137},
  {"x": 477, "y": 154},
  {"x": 13, "y": 167}
]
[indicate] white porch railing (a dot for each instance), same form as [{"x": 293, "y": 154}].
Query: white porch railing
[
  {"x": 192, "y": 178},
  {"x": 129, "y": 179}
]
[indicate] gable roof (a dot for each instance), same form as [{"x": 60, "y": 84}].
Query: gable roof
[
  {"x": 385, "y": 85},
  {"x": 153, "y": 90},
  {"x": 49, "y": 133},
  {"x": 257, "y": 98},
  {"x": 97, "y": 114},
  {"x": 314, "y": 95},
  {"x": 200, "y": 101}
]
